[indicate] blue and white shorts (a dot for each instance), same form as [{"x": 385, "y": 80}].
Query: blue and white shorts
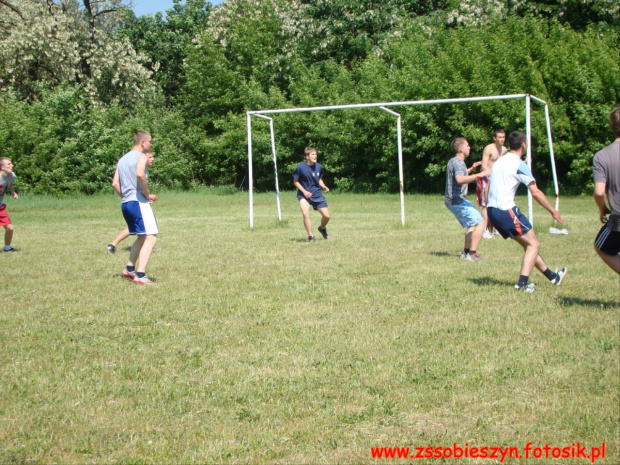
[
  {"x": 509, "y": 223},
  {"x": 139, "y": 218},
  {"x": 466, "y": 213}
]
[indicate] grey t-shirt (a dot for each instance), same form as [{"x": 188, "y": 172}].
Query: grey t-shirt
[
  {"x": 130, "y": 188},
  {"x": 455, "y": 193},
  {"x": 5, "y": 184},
  {"x": 607, "y": 170}
]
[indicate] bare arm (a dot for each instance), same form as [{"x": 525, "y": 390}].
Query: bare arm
[
  {"x": 141, "y": 174},
  {"x": 306, "y": 193},
  {"x": 540, "y": 197},
  {"x": 323, "y": 186},
  {"x": 116, "y": 183},
  {"x": 599, "y": 199},
  {"x": 486, "y": 157},
  {"x": 472, "y": 177}
]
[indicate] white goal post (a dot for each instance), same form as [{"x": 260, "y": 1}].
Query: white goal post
[{"x": 385, "y": 107}]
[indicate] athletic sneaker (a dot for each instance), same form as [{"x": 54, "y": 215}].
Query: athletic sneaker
[
  {"x": 111, "y": 249},
  {"x": 473, "y": 257},
  {"x": 528, "y": 288},
  {"x": 145, "y": 280},
  {"x": 487, "y": 235},
  {"x": 310, "y": 239},
  {"x": 128, "y": 274},
  {"x": 463, "y": 255},
  {"x": 9, "y": 249},
  {"x": 495, "y": 232},
  {"x": 323, "y": 232},
  {"x": 560, "y": 276}
]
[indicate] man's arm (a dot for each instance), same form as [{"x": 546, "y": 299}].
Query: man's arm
[
  {"x": 323, "y": 186},
  {"x": 462, "y": 179},
  {"x": 486, "y": 156},
  {"x": 540, "y": 197},
  {"x": 141, "y": 174},
  {"x": 599, "y": 199},
  {"x": 116, "y": 183},
  {"x": 298, "y": 185}
]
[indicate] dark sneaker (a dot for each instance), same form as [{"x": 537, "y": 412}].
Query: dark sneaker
[
  {"x": 310, "y": 239},
  {"x": 111, "y": 249},
  {"x": 323, "y": 232},
  {"x": 529, "y": 288},
  {"x": 9, "y": 249},
  {"x": 560, "y": 276}
]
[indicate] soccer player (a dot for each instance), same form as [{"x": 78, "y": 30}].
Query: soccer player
[
  {"x": 457, "y": 180},
  {"x": 490, "y": 154},
  {"x": 308, "y": 179},
  {"x": 124, "y": 234},
  {"x": 131, "y": 184},
  {"x": 6, "y": 184},
  {"x": 607, "y": 181},
  {"x": 507, "y": 173}
]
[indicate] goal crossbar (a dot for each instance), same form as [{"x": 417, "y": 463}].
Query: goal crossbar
[{"x": 385, "y": 107}]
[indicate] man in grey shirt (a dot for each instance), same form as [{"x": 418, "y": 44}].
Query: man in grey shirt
[{"x": 607, "y": 182}]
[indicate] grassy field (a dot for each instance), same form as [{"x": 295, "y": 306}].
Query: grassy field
[{"x": 256, "y": 347}]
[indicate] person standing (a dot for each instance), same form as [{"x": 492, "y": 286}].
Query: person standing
[
  {"x": 606, "y": 166},
  {"x": 131, "y": 184},
  {"x": 6, "y": 184},
  {"x": 457, "y": 180},
  {"x": 490, "y": 154},
  {"x": 507, "y": 173},
  {"x": 308, "y": 179}
]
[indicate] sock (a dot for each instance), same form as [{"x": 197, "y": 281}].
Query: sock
[
  {"x": 466, "y": 250},
  {"x": 130, "y": 268},
  {"x": 7, "y": 247},
  {"x": 550, "y": 274},
  {"x": 471, "y": 252},
  {"x": 523, "y": 281},
  {"x": 140, "y": 274}
]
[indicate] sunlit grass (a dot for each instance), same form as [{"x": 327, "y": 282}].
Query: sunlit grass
[{"x": 258, "y": 347}]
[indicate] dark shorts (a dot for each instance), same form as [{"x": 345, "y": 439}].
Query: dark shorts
[
  {"x": 509, "y": 223},
  {"x": 5, "y": 219},
  {"x": 315, "y": 202},
  {"x": 608, "y": 241}
]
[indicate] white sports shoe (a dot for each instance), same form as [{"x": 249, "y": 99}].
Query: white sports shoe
[
  {"x": 145, "y": 280},
  {"x": 529, "y": 288},
  {"x": 487, "y": 235},
  {"x": 557, "y": 281}
]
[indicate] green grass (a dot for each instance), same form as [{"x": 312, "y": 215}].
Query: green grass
[{"x": 255, "y": 347}]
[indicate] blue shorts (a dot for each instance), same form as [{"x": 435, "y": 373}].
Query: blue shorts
[
  {"x": 466, "y": 213},
  {"x": 608, "y": 241},
  {"x": 509, "y": 223},
  {"x": 316, "y": 202},
  {"x": 139, "y": 218}
]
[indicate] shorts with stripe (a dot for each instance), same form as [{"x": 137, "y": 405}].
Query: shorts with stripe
[
  {"x": 509, "y": 223},
  {"x": 5, "y": 219},
  {"x": 481, "y": 186},
  {"x": 139, "y": 218},
  {"x": 608, "y": 241}
]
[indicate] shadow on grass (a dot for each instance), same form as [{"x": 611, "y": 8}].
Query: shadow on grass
[
  {"x": 486, "y": 281},
  {"x": 587, "y": 302},
  {"x": 441, "y": 254}
]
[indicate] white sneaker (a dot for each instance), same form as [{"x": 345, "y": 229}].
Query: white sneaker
[
  {"x": 529, "y": 288},
  {"x": 558, "y": 280},
  {"x": 145, "y": 280},
  {"x": 487, "y": 235}
]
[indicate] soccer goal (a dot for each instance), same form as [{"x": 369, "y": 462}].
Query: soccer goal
[{"x": 386, "y": 106}]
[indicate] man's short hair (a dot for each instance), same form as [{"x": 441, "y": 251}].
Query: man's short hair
[
  {"x": 139, "y": 136},
  {"x": 515, "y": 139},
  {"x": 614, "y": 121},
  {"x": 4, "y": 159},
  {"x": 457, "y": 143},
  {"x": 308, "y": 150},
  {"x": 498, "y": 131}
]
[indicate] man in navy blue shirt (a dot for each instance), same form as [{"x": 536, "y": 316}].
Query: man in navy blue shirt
[{"x": 308, "y": 179}]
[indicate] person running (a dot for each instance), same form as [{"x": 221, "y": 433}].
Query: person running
[
  {"x": 308, "y": 179},
  {"x": 124, "y": 234},
  {"x": 6, "y": 184},
  {"x": 457, "y": 180},
  {"x": 507, "y": 173},
  {"x": 131, "y": 184},
  {"x": 490, "y": 154},
  {"x": 606, "y": 168}
]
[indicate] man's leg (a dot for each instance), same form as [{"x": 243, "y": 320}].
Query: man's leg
[
  {"x": 476, "y": 235},
  {"x": 324, "y": 211},
  {"x": 145, "y": 252},
  {"x": 8, "y": 234},
  {"x": 135, "y": 250},
  {"x": 305, "y": 210},
  {"x": 531, "y": 246},
  {"x": 612, "y": 261},
  {"x": 124, "y": 234}
]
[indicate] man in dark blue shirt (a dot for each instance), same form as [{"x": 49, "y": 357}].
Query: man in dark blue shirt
[{"x": 308, "y": 179}]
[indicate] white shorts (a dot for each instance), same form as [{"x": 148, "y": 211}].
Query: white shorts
[{"x": 139, "y": 218}]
